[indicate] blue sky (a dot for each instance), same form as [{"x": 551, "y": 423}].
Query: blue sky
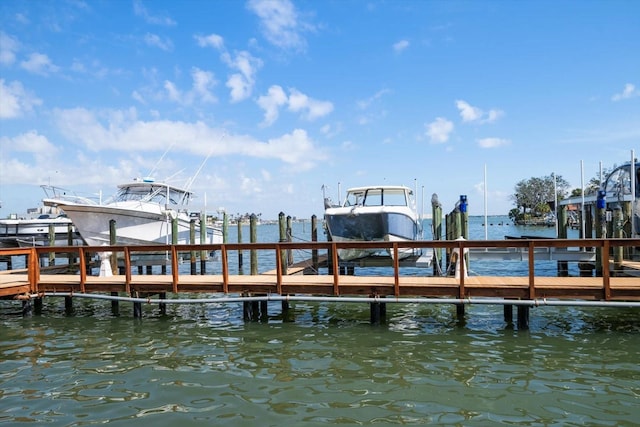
[{"x": 288, "y": 96}]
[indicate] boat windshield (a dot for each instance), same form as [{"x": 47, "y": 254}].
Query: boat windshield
[
  {"x": 377, "y": 197},
  {"x": 618, "y": 183},
  {"x": 153, "y": 194}
]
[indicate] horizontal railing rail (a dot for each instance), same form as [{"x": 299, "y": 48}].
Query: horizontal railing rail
[{"x": 173, "y": 255}]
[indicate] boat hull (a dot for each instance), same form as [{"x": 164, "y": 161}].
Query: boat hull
[
  {"x": 37, "y": 232},
  {"x": 352, "y": 226},
  {"x": 134, "y": 227}
]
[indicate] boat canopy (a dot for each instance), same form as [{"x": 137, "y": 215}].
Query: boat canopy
[
  {"x": 378, "y": 196},
  {"x": 618, "y": 182},
  {"x": 152, "y": 192}
]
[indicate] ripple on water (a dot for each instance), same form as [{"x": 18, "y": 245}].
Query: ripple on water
[{"x": 324, "y": 365}]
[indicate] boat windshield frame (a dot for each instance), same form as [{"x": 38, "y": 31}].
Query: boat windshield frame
[
  {"x": 161, "y": 194},
  {"x": 618, "y": 182},
  {"x": 378, "y": 196}
]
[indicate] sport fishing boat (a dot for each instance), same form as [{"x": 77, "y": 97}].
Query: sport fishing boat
[
  {"x": 374, "y": 214},
  {"x": 36, "y": 230},
  {"x": 143, "y": 210}
]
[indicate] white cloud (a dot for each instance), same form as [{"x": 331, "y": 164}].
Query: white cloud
[
  {"x": 241, "y": 83},
  {"x": 469, "y": 113},
  {"x": 32, "y": 142},
  {"x": 39, "y": 63},
  {"x": 629, "y": 91},
  {"x": 366, "y": 103},
  {"x": 123, "y": 131},
  {"x": 280, "y": 23},
  {"x": 271, "y": 103},
  {"x": 310, "y": 108},
  {"x": 400, "y": 46},
  {"x": 203, "y": 82},
  {"x": 212, "y": 40},
  {"x": 492, "y": 142},
  {"x": 8, "y": 48},
  {"x": 439, "y": 130},
  {"x": 155, "y": 41},
  {"x": 140, "y": 10},
  {"x": 15, "y": 101},
  {"x": 296, "y": 102}
]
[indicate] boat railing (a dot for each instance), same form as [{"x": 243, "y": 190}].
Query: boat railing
[{"x": 60, "y": 193}]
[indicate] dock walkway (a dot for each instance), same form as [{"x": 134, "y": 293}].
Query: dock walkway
[{"x": 616, "y": 283}]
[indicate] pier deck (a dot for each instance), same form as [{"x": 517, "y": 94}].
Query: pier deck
[{"x": 613, "y": 285}]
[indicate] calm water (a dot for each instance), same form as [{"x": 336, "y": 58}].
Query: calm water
[{"x": 321, "y": 364}]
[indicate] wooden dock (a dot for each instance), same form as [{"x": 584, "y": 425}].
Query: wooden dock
[{"x": 616, "y": 283}]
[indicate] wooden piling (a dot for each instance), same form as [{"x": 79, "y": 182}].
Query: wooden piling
[
  {"x": 192, "y": 240},
  {"x": 253, "y": 238},
  {"x": 115, "y": 304},
  {"x": 52, "y": 242},
  {"x": 240, "y": 241},
  {"x": 289, "y": 235},
  {"x": 314, "y": 238},
  {"x": 225, "y": 227},
  {"x": 68, "y": 306},
  {"x": 523, "y": 317},
  {"x": 283, "y": 238},
  {"x": 163, "y": 306},
  {"x": 436, "y": 220},
  {"x": 563, "y": 266},
  {"x": 203, "y": 240}
]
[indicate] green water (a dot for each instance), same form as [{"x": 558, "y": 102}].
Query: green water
[{"x": 322, "y": 364}]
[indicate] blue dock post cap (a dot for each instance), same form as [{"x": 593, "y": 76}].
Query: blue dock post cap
[
  {"x": 601, "y": 203},
  {"x": 463, "y": 203}
]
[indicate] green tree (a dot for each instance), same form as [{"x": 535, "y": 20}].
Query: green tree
[{"x": 536, "y": 193}]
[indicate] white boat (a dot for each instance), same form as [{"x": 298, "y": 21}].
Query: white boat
[
  {"x": 35, "y": 229},
  {"x": 143, "y": 210},
  {"x": 372, "y": 214}
]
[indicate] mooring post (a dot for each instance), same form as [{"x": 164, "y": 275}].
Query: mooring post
[
  {"x": 162, "y": 305},
  {"x": 203, "y": 240},
  {"x": 253, "y": 238},
  {"x": 523, "y": 317},
  {"x": 240, "y": 241},
  {"x": 289, "y": 239},
  {"x": 618, "y": 232},
  {"x": 283, "y": 238},
  {"x": 508, "y": 313},
  {"x": 137, "y": 307},
  {"x": 70, "y": 256},
  {"x": 68, "y": 305},
  {"x": 37, "y": 305},
  {"x": 601, "y": 230},
  {"x": 374, "y": 310},
  {"x": 460, "y": 313},
  {"x": 563, "y": 266},
  {"x": 27, "y": 308},
  {"x": 52, "y": 242},
  {"x": 225, "y": 227},
  {"x": 192, "y": 240},
  {"x": 314, "y": 238},
  {"x": 436, "y": 218}
]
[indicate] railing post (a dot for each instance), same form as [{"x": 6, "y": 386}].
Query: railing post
[
  {"x": 225, "y": 269},
  {"x": 532, "y": 271}
]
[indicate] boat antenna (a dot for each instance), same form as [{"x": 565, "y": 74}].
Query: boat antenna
[
  {"x": 160, "y": 160},
  {"x": 190, "y": 181}
]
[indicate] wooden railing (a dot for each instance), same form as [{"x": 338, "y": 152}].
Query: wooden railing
[{"x": 79, "y": 257}]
